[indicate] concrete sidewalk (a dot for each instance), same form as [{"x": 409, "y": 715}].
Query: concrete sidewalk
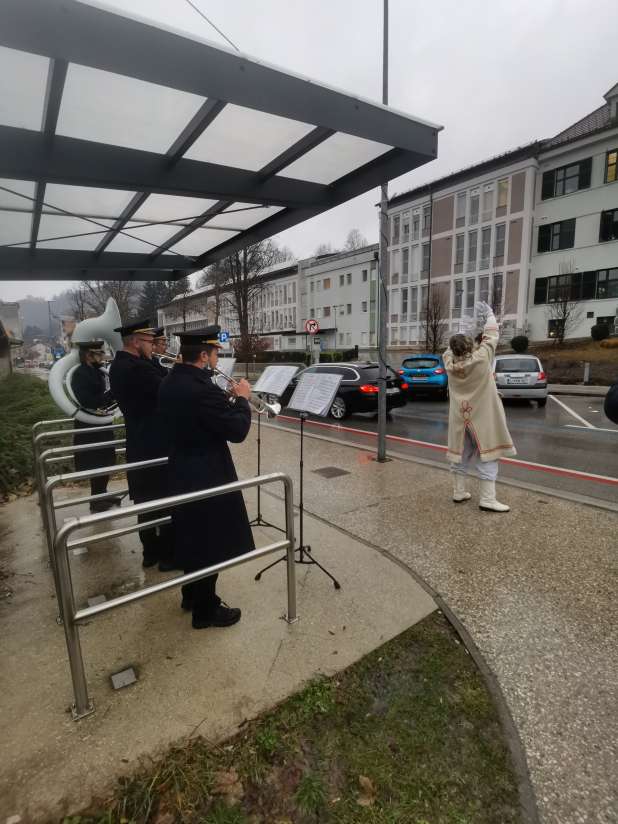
[
  {"x": 190, "y": 683},
  {"x": 577, "y": 389},
  {"x": 536, "y": 589}
]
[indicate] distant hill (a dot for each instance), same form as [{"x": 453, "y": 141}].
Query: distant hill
[{"x": 34, "y": 311}]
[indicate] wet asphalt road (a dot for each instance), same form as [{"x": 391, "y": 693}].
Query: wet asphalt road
[{"x": 578, "y": 438}]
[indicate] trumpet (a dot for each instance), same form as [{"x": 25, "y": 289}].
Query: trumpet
[
  {"x": 260, "y": 406},
  {"x": 168, "y": 359}
]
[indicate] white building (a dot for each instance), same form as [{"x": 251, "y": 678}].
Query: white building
[
  {"x": 575, "y": 240},
  {"x": 513, "y": 231}
]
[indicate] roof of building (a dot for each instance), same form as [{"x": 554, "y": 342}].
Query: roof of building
[{"x": 596, "y": 121}]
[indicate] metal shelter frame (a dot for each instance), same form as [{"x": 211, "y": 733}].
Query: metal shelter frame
[{"x": 72, "y": 32}]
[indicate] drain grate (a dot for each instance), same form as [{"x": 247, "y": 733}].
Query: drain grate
[{"x": 330, "y": 472}]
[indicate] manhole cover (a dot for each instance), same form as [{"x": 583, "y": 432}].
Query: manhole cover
[{"x": 330, "y": 472}]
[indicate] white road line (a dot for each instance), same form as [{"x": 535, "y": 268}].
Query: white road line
[
  {"x": 596, "y": 428},
  {"x": 571, "y": 412}
]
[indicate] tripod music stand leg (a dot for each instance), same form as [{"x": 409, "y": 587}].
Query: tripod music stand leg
[
  {"x": 270, "y": 566},
  {"x": 258, "y": 520}
]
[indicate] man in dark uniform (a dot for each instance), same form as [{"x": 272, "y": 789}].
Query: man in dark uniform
[
  {"x": 135, "y": 385},
  {"x": 90, "y": 389},
  {"x": 201, "y": 420},
  {"x": 159, "y": 348}
]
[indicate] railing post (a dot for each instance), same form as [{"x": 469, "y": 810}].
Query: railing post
[
  {"x": 49, "y": 522},
  {"x": 83, "y": 705},
  {"x": 291, "y": 617}
]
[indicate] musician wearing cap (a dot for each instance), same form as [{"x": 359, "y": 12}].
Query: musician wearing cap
[
  {"x": 201, "y": 420},
  {"x": 89, "y": 385},
  {"x": 135, "y": 386},
  {"x": 159, "y": 348}
]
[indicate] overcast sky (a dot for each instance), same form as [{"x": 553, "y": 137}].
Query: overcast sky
[{"x": 495, "y": 75}]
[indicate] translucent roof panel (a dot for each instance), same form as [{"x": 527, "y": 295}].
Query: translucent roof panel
[
  {"x": 24, "y": 187},
  {"x": 110, "y": 108},
  {"x": 334, "y": 158},
  {"x": 231, "y": 218},
  {"x": 23, "y": 79},
  {"x": 52, "y": 226},
  {"x": 15, "y": 227},
  {"x": 87, "y": 200},
  {"x": 201, "y": 241},
  {"x": 172, "y": 207},
  {"x": 246, "y": 138},
  {"x": 144, "y": 240}
]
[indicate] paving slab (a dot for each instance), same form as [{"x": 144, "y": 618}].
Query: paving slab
[
  {"x": 535, "y": 588},
  {"x": 189, "y": 682}
]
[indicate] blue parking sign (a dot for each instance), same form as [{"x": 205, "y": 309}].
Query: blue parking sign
[{"x": 224, "y": 337}]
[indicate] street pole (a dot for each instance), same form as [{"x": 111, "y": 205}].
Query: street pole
[{"x": 383, "y": 271}]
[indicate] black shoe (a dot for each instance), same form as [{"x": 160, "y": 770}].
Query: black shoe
[
  {"x": 101, "y": 506},
  {"x": 167, "y": 565},
  {"x": 116, "y": 500},
  {"x": 186, "y": 603},
  {"x": 221, "y": 617},
  {"x": 149, "y": 560}
]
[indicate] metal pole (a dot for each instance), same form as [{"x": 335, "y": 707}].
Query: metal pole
[
  {"x": 429, "y": 272},
  {"x": 291, "y": 617},
  {"x": 383, "y": 271}
]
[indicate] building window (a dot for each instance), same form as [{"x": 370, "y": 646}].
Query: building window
[
  {"x": 607, "y": 284},
  {"x": 470, "y": 290},
  {"x": 349, "y": 308},
  {"x": 342, "y": 309},
  {"x": 555, "y": 236},
  {"x": 365, "y": 275},
  {"x": 426, "y": 220},
  {"x": 363, "y": 306},
  {"x": 554, "y": 326},
  {"x": 341, "y": 338},
  {"x": 348, "y": 338},
  {"x": 459, "y": 253},
  {"x": 327, "y": 283},
  {"x": 472, "y": 250},
  {"x": 566, "y": 179},
  {"x": 414, "y": 263},
  {"x": 364, "y": 337},
  {"x": 607, "y": 320},
  {"x": 396, "y": 222},
  {"x": 610, "y": 166},
  {"x": 474, "y": 207},
  {"x": 416, "y": 222},
  {"x": 348, "y": 278},
  {"x": 291, "y": 343},
  {"x": 485, "y": 247},
  {"x": 341, "y": 280},
  {"x": 503, "y": 193},
  {"x": 413, "y": 302},
  {"x": 327, "y": 311},
  {"x": 460, "y": 210},
  {"x": 425, "y": 265},
  {"x": 405, "y": 261},
  {"x": 404, "y": 304},
  {"x": 500, "y": 236},
  {"x": 406, "y": 227},
  {"x": 395, "y": 263},
  {"x": 496, "y": 302},
  {"x": 609, "y": 225},
  {"x": 592, "y": 285},
  {"x": 318, "y": 286},
  {"x": 312, "y": 312},
  {"x": 395, "y": 279},
  {"x": 457, "y": 298},
  {"x": 488, "y": 202},
  {"x": 484, "y": 288}
]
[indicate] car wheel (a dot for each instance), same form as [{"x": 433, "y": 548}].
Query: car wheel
[
  {"x": 542, "y": 402},
  {"x": 339, "y": 409},
  {"x": 445, "y": 394}
]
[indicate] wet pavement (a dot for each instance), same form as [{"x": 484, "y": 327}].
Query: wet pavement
[
  {"x": 535, "y": 588},
  {"x": 570, "y": 433}
]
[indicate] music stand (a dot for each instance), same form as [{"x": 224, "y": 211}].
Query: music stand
[
  {"x": 313, "y": 394},
  {"x": 273, "y": 381}
]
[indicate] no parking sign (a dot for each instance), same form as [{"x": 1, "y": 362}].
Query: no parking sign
[{"x": 312, "y": 326}]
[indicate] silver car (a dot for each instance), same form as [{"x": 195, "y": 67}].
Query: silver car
[{"x": 521, "y": 376}]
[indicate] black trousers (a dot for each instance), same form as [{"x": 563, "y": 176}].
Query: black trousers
[
  {"x": 202, "y": 593},
  {"x": 158, "y": 541},
  {"x": 98, "y": 485}
]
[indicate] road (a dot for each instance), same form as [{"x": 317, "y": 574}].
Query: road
[{"x": 570, "y": 435}]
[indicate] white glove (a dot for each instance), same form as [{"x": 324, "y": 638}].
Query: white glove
[{"x": 483, "y": 311}]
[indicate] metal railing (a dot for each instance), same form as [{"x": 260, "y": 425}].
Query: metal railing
[{"x": 83, "y": 705}]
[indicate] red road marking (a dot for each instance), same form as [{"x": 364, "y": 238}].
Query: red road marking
[{"x": 535, "y": 467}]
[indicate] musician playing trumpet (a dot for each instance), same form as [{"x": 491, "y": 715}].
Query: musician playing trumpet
[{"x": 200, "y": 421}]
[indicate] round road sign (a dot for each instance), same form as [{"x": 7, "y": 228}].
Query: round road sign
[{"x": 312, "y": 326}]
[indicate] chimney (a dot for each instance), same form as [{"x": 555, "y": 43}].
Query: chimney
[{"x": 611, "y": 98}]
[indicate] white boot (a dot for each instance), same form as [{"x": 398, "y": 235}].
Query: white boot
[
  {"x": 488, "y": 500},
  {"x": 460, "y": 494}
]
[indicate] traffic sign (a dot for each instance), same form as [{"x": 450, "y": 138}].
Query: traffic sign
[
  {"x": 312, "y": 326},
  {"x": 224, "y": 337}
]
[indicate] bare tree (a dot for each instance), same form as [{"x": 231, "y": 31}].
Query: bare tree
[
  {"x": 156, "y": 293},
  {"x": 90, "y": 297},
  {"x": 563, "y": 310},
  {"x": 325, "y": 249},
  {"x": 434, "y": 325},
  {"x": 355, "y": 240}
]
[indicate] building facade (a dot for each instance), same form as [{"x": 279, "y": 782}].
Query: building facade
[{"x": 521, "y": 231}]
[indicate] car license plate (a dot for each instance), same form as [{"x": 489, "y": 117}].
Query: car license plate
[
  {"x": 516, "y": 381},
  {"x": 393, "y": 390},
  {"x": 420, "y": 378}
]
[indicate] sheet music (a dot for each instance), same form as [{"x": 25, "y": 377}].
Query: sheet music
[
  {"x": 226, "y": 365},
  {"x": 315, "y": 393},
  {"x": 274, "y": 380}
]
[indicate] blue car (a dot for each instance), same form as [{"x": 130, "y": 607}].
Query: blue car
[{"x": 425, "y": 374}]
